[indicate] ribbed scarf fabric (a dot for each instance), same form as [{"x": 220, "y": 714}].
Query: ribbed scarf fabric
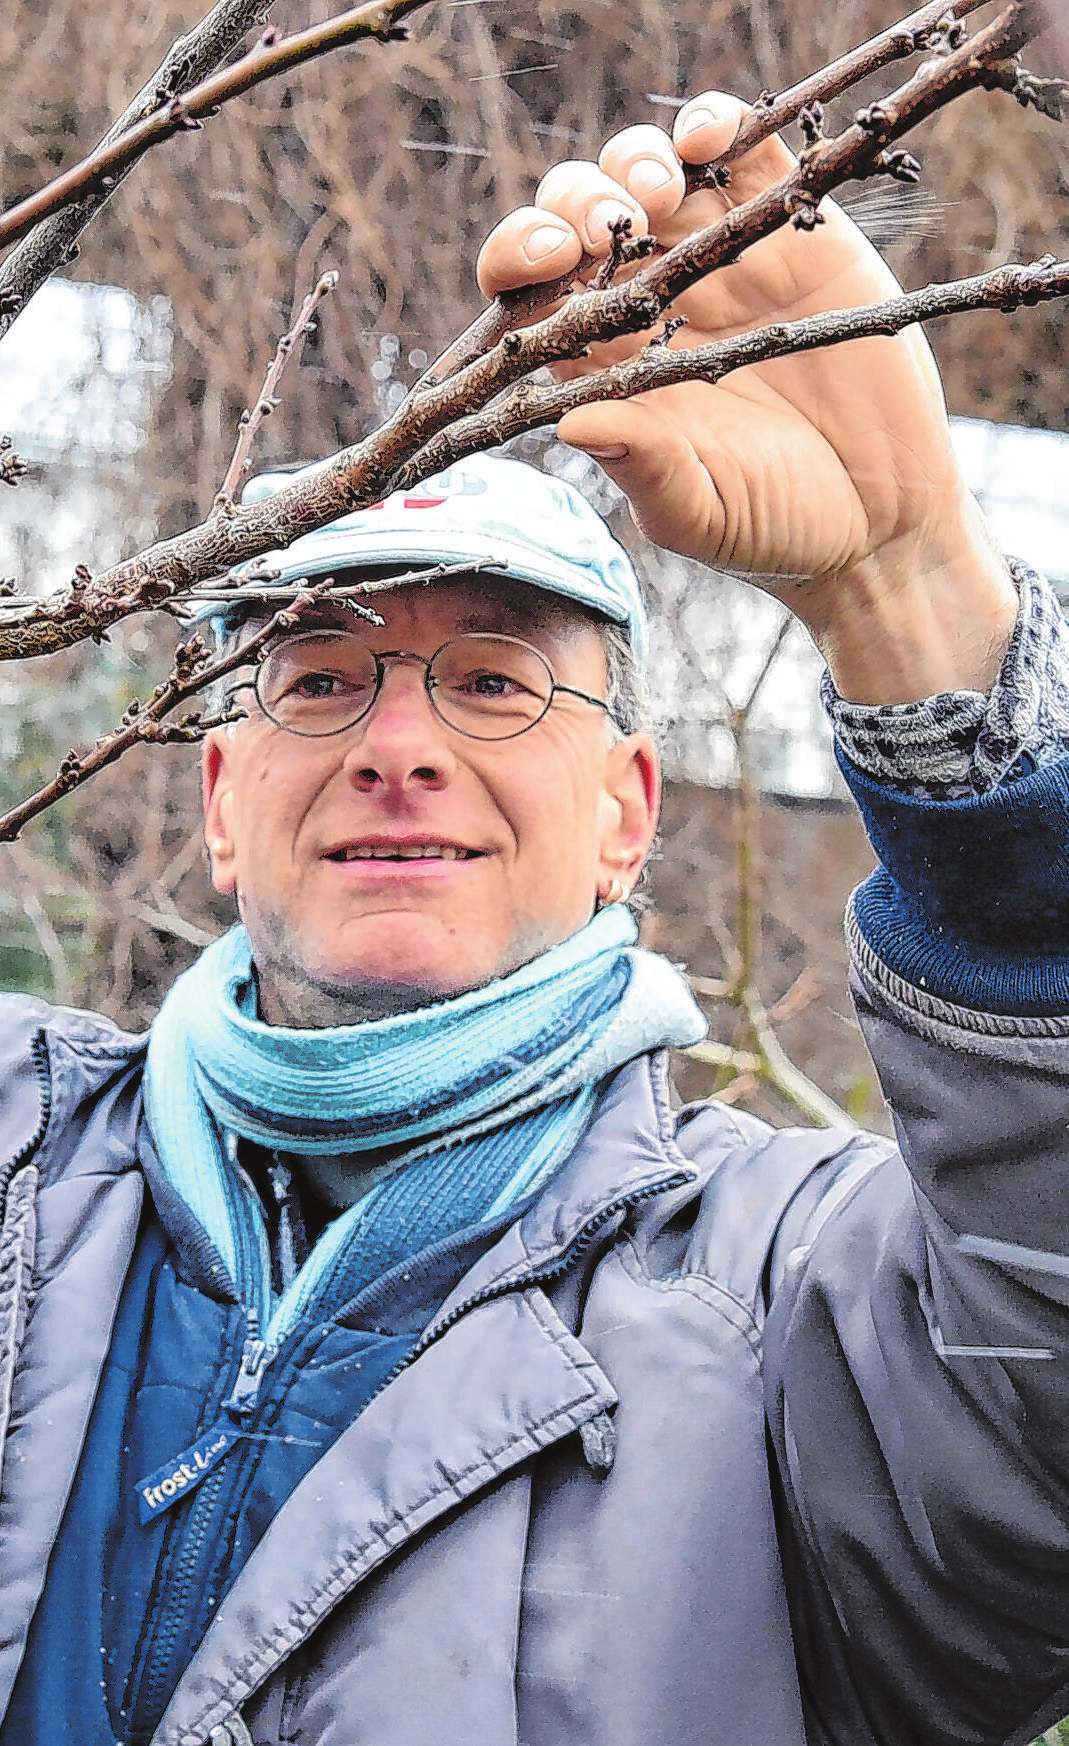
[{"x": 488, "y": 1092}]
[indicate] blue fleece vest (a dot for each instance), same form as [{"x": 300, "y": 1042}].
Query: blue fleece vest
[{"x": 126, "y": 1604}]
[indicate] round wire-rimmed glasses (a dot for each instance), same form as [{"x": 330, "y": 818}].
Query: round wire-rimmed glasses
[{"x": 486, "y": 687}]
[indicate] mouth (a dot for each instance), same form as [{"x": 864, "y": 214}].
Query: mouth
[{"x": 398, "y": 852}]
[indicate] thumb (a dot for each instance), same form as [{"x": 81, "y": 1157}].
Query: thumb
[{"x": 672, "y": 498}]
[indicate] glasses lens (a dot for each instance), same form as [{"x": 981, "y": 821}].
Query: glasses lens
[
  {"x": 317, "y": 684},
  {"x": 490, "y": 688}
]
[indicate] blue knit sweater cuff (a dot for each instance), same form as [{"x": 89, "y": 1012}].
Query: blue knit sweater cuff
[{"x": 973, "y": 904}]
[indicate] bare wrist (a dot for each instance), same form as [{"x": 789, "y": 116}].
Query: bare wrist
[{"x": 925, "y": 615}]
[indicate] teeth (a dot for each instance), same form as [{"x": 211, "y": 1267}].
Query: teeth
[{"x": 406, "y": 852}]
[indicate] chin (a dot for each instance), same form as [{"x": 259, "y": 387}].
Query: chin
[
  {"x": 379, "y": 984},
  {"x": 395, "y": 964}
]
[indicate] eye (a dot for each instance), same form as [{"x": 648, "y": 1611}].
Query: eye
[
  {"x": 315, "y": 686},
  {"x": 490, "y": 685}
]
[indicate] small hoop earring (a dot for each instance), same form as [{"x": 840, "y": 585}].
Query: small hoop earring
[{"x": 617, "y": 892}]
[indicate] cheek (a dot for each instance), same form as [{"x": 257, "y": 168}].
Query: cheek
[{"x": 558, "y": 819}]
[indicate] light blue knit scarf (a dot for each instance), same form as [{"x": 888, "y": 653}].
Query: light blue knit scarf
[{"x": 488, "y": 1093}]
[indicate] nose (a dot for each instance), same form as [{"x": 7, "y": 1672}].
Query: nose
[{"x": 401, "y": 744}]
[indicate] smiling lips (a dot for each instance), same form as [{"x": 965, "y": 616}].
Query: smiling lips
[{"x": 401, "y": 852}]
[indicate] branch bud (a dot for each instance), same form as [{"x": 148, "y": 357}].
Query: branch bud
[
  {"x": 947, "y": 35},
  {"x": 802, "y": 205},
  {"x": 872, "y": 120},
  {"x": 811, "y": 122},
  {"x": 899, "y": 164}
]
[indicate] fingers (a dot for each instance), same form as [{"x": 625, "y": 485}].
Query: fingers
[
  {"x": 575, "y": 205},
  {"x": 705, "y": 128},
  {"x": 639, "y": 175},
  {"x": 641, "y": 160},
  {"x": 646, "y": 450},
  {"x": 525, "y": 248}
]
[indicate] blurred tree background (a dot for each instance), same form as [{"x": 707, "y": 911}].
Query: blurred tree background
[{"x": 390, "y": 165}]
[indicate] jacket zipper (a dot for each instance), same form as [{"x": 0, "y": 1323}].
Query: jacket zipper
[
  {"x": 43, "y": 1070},
  {"x": 241, "y": 1401},
  {"x": 256, "y": 1357}
]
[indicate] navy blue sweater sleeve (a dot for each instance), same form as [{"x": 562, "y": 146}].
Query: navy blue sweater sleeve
[{"x": 971, "y": 902}]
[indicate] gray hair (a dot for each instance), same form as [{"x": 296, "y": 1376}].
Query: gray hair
[{"x": 626, "y": 692}]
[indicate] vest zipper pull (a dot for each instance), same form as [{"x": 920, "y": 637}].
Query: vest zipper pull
[
  {"x": 598, "y": 1437},
  {"x": 255, "y": 1358}
]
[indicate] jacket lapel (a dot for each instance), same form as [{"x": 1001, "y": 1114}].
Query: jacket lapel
[
  {"x": 498, "y": 1381},
  {"x": 504, "y": 1381}
]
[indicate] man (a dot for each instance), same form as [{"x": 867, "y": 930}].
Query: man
[{"x": 445, "y": 1387}]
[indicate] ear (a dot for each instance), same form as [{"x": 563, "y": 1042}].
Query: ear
[
  {"x": 631, "y": 807},
  {"x": 217, "y": 800}
]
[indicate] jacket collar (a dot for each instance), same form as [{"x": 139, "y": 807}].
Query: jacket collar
[{"x": 628, "y": 1152}]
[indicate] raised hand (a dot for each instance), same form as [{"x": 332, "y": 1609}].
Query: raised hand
[{"x": 827, "y": 475}]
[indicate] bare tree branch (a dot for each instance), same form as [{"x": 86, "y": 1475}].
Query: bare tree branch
[
  {"x": 143, "y": 722},
  {"x": 379, "y": 20},
  {"x": 456, "y": 417},
  {"x": 189, "y": 60},
  {"x": 527, "y": 407},
  {"x": 911, "y": 34},
  {"x": 756, "y": 1052},
  {"x": 742, "y": 712},
  {"x": 931, "y": 28},
  {"x": 266, "y": 401}
]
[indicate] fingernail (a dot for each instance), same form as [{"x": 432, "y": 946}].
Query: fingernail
[
  {"x": 543, "y": 241},
  {"x": 646, "y": 177},
  {"x": 607, "y": 452},
  {"x": 603, "y": 216},
  {"x": 696, "y": 119}
]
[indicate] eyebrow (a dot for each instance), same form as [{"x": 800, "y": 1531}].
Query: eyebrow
[{"x": 502, "y": 617}]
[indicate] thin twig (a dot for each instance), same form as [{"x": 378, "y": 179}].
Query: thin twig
[
  {"x": 779, "y": 1071},
  {"x": 721, "y": 1055},
  {"x": 379, "y": 20},
  {"x": 742, "y": 712},
  {"x": 143, "y": 722},
  {"x": 47, "y": 938},
  {"x": 244, "y": 592},
  {"x": 909, "y": 36},
  {"x": 267, "y": 399}
]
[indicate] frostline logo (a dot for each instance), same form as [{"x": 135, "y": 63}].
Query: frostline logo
[{"x": 157, "y": 1491}]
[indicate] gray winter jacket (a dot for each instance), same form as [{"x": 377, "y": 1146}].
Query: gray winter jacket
[{"x": 836, "y": 1509}]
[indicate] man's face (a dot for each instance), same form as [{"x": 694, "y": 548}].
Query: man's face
[{"x": 543, "y": 822}]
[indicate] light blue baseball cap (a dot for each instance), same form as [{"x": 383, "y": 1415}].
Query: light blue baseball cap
[{"x": 485, "y": 509}]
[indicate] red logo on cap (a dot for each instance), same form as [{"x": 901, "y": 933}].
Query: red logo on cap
[{"x": 411, "y": 503}]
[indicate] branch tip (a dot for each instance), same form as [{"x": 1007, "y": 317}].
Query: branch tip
[
  {"x": 1049, "y": 96},
  {"x": 948, "y": 34}
]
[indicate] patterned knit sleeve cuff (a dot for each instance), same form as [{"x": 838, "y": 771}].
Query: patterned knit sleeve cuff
[{"x": 961, "y": 743}]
